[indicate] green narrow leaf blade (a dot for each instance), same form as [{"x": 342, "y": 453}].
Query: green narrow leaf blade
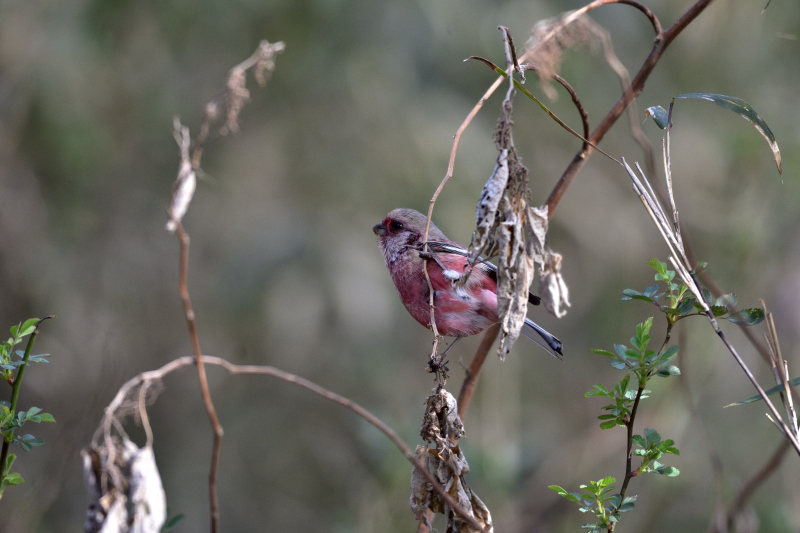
[{"x": 741, "y": 107}]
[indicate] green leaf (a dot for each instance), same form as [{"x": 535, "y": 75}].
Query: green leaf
[
  {"x": 652, "y": 437},
  {"x": 598, "y": 390},
  {"x": 719, "y": 310},
  {"x": 630, "y": 395},
  {"x": 627, "y": 504},
  {"x": 669, "y": 471},
  {"x": 707, "y": 296},
  {"x": 573, "y": 497},
  {"x": 28, "y": 326},
  {"x": 686, "y": 306},
  {"x": 658, "y": 114},
  {"x": 668, "y": 354},
  {"x": 13, "y": 478},
  {"x": 670, "y": 370},
  {"x": 741, "y": 107},
  {"x": 602, "y": 352},
  {"x": 728, "y": 300},
  {"x": 657, "y": 265},
  {"x": 608, "y": 425},
  {"x": 619, "y": 365},
  {"x": 794, "y": 382},
  {"x": 33, "y": 411},
  {"x": 29, "y": 441},
  {"x": 651, "y": 290},
  {"x": 47, "y": 417},
  {"x": 747, "y": 317}
]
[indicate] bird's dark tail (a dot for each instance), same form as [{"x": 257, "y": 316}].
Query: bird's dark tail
[{"x": 533, "y": 331}]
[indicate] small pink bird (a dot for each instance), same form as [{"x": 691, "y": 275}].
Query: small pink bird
[{"x": 459, "y": 310}]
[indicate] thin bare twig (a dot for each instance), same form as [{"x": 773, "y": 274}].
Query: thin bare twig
[{"x": 110, "y": 417}]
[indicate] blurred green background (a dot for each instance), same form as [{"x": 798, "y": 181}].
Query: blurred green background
[{"x": 358, "y": 119}]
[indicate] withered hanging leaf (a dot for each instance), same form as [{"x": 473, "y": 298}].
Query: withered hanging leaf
[
  {"x": 515, "y": 273},
  {"x": 486, "y": 211},
  {"x": 552, "y": 287},
  {"x": 536, "y": 232}
]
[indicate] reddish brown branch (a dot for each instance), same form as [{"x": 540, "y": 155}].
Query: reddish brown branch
[
  {"x": 201, "y": 377},
  {"x": 473, "y": 371}
]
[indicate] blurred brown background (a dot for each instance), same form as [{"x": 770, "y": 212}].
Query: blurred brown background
[{"x": 358, "y": 119}]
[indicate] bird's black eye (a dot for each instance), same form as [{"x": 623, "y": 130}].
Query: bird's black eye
[{"x": 397, "y": 226}]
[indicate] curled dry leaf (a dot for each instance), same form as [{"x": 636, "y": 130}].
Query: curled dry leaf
[
  {"x": 552, "y": 287},
  {"x": 442, "y": 428}
]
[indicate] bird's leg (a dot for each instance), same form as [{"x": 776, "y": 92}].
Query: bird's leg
[
  {"x": 451, "y": 345},
  {"x": 435, "y": 364}
]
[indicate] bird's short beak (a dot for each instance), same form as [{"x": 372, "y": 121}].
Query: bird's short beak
[{"x": 379, "y": 229}]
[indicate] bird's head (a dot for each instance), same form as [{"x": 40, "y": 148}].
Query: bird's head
[{"x": 403, "y": 229}]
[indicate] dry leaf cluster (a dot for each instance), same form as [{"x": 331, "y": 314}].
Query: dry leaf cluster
[{"x": 441, "y": 428}]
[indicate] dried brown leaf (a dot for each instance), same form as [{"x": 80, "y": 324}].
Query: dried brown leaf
[
  {"x": 486, "y": 212},
  {"x": 514, "y": 274},
  {"x": 552, "y": 287},
  {"x": 442, "y": 428}
]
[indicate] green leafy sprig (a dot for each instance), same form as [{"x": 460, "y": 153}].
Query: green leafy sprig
[{"x": 10, "y": 419}]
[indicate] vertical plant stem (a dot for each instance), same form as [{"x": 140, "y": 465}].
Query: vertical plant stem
[
  {"x": 15, "y": 393},
  {"x": 201, "y": 377},
  {"x": 629, "y": 460}
]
